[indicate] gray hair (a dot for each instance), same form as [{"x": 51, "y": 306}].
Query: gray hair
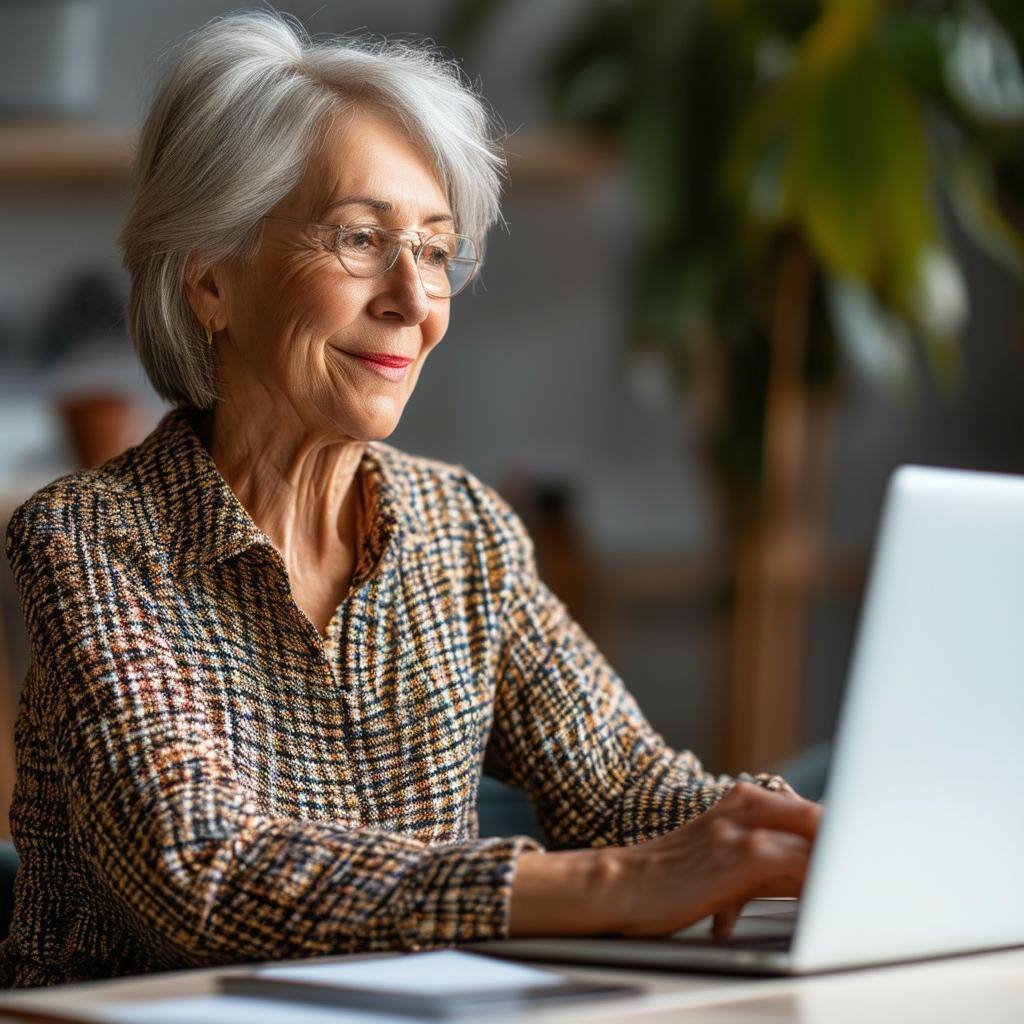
[{"x": 228, "y": 136}]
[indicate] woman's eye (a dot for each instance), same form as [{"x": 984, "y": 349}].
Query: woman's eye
[
  {"x": 436, "y": 255},
  {"x": 360, "y": 238}
]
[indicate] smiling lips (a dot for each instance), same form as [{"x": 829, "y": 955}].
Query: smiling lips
[
  {"x": 383, "y": 357},
  {"x": 387, "y": 366}
]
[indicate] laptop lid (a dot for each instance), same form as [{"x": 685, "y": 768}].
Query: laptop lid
[{"x": 922, "y": 841}]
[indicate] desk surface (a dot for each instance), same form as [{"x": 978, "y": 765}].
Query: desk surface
[{"x": 983, "y": 988}]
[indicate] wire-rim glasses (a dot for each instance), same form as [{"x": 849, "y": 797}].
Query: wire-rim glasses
[{"x": 446, "y": 261}]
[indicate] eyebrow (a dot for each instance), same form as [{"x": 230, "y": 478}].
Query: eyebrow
[{"x": 383, "y": 206}]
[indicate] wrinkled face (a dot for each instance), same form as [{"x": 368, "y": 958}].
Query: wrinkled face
[{"x": 295, "y": 321}]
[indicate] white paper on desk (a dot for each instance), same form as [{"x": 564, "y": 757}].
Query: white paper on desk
[
  {"x": 225, "y": 1009},
  {"x": 443, "y": 972}
]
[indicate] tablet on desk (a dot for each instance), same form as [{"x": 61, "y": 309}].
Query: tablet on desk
[{"x": 440, "y": 984}]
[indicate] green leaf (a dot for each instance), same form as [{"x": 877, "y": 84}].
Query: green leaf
[{"x": 857, "y": 174}]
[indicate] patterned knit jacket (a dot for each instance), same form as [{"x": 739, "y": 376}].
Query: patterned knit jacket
[{"x": 203, "y": 778}]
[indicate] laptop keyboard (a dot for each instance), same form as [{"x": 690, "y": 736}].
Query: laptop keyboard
[
  {"x": 780, "y": 943},
  {"x": 766, "y": 928}
]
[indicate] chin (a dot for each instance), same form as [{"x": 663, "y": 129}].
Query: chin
[{"x": 367, "y": 426}]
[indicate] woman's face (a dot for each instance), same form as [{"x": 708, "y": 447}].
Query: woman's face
[{"x": 295, "y": 321}]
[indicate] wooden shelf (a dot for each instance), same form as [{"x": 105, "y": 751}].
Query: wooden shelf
[
  {"x": 69, "y": 153},
  {"x": 72, "y": 153},
  {"x": 555, "y": 158},
  {"x": 654, "y": 577}
]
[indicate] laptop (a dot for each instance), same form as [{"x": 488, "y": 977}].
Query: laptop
[{"x": 920, "y": 848}]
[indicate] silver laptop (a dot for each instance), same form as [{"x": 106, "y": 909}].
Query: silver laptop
[{"x": 921, "y": 845}]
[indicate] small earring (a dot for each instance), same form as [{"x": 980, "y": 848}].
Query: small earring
[{"x": 209, "y": 334}]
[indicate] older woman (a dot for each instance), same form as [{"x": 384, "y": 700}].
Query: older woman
[{"x": 271, "y": 654}]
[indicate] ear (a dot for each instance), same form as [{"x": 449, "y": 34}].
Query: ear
[{"x": 205, "y": 294}]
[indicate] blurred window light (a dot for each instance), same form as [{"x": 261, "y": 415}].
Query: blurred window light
[
  {"x": 982, "y": 67},
  {"x": 940, "y": 301},
  {"x": 877, "y": 344}
]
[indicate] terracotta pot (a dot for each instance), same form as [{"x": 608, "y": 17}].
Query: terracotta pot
[{"x": 100, "y": 426}]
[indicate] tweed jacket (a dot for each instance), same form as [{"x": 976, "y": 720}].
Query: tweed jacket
[{"x": 203, "y": 778}]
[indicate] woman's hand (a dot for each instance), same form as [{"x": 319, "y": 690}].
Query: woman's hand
[
  {"x": 753, "y": 842},
  {"x": 726, "y": 918}
]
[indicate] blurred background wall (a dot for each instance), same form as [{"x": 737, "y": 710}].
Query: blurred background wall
[{"x": 540, "y": 387}]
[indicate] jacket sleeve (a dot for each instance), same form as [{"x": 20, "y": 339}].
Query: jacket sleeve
[
  {"x": 568, "y": 732},
  {"x": 176, "y": 844}
]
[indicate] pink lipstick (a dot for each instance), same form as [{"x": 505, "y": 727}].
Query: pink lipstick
[{"x": 389, "y": 367}]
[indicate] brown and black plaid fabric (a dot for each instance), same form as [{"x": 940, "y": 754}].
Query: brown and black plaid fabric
[{"x": 203, "y": 779}]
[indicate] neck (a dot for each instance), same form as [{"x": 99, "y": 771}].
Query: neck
[{"x": 301, "y": 489}]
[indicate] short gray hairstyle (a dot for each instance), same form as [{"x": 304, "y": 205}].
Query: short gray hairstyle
[{"x": 243, "y": 106}]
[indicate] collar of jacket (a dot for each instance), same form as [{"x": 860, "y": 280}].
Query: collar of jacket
[{"x": 188, "y": 510}]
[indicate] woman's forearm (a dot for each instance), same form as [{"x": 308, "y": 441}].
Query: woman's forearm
[{"x": 568, "y": 892}]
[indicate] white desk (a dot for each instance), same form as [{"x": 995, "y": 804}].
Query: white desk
[{"x": 979, "y": 989}]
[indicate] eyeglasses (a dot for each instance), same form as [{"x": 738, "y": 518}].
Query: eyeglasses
[{"x": 446, "y": 262}]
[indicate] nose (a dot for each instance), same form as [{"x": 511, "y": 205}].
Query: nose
[{"x": 402, "y": 296}]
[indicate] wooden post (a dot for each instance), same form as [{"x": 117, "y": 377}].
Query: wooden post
[{"x": 778, "y": 548}]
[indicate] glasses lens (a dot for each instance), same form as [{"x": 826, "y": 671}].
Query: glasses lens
[
  {"x": 364, "y": 251},
  {"x": 446, "y": 264}
]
